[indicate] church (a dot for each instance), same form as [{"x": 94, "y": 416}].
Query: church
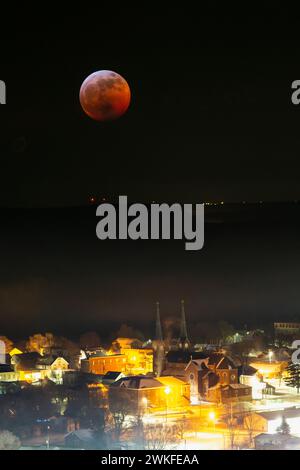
[{"x": 211, "y": 375}]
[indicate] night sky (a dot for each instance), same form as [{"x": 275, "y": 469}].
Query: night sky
[{"x": 211, "y": 118}]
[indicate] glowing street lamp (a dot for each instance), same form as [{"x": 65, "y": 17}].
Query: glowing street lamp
[
  {"x": 145, "y": 403},
  {"x": 48, "y": 437},
  {"x": 167, "y": 391},
  {"x": 270, "y": 354},
  {"x": 212, "y": 418}
]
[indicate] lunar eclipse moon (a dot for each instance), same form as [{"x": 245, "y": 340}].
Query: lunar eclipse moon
[{"x": 104, "y": 95}]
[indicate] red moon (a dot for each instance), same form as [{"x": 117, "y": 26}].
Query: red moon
[{"x": 104, "y": 95}]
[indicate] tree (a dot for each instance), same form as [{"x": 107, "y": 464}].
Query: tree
[
  {"x": 293, "y": 378},
  {"x": 126, "y": 331},
  {"x": 89, "y": 340},
  {"x": 249, "y": 421},
  {"x": 225, "y": 330},
  {"x": 121, "y": 406},
  {"x": 160, "y": 437},
  {"x": 8, "y": 441},
  {"x": 242, "y": 350},
  {"x": 39, "y": 342},
  {"x": 284, "y": 429},
  {"x": 231, "y": 427}
]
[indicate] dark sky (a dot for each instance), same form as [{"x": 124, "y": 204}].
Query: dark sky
[
  {"x": 211, "y": 118},
  {"x": 211, "y": 115}
]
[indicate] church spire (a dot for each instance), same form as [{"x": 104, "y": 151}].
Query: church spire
[
  {"x": 184, "y": 342},
  {"x": 158, "y": 330}
]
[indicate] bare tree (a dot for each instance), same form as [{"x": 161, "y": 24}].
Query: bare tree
[
  {"x": 121, "y": 410},
  {"x": 160, "y": 437},
  {"x": 231, "y": 425},
  {"x": 249, "y": 425}
]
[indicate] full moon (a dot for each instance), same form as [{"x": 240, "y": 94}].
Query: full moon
[{"x": 104, "y": 95}]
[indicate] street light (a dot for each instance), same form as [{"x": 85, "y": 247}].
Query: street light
[
  {"x": 167, "y": 391},
  {"x": 145, "y": 403},
  {"x": 270, "y": 354},
  {"x": 212, "y": 418},
  {"x": 48, "y": 437}
]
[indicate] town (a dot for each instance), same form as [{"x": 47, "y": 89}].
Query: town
[{"x": 236, "y": 390}]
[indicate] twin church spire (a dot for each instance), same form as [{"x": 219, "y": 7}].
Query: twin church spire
[{"x": 183, "y": 340}]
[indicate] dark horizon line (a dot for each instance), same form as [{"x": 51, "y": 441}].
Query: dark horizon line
[{"x": 130, "y": 200}]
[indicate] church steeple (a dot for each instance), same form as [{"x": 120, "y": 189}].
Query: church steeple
[
  {"x": 158, "y": 329},
  {"x": 183, "y": 340}
]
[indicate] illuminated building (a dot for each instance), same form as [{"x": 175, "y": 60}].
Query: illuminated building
[
  {"x": 8, "y": 374},
  {"x": 224, "y": 368},
  {"x": 270, "y": 421},
  {"x": 110, "y": 363},
  {"x": 286, "y": 328},
  {"x": 236, "y": 392},
  {"x": 145, "y": 394},
  {"x": 15, "y": 351},
  {"x": 207, "y": 373},
  {"x": 129, "y": 361},
  {"x": 269, "y": 370},
  {"x": 250, "y": 376},
  {"x": 32, "y": 367},
  {"x": 138, "y": 361}
]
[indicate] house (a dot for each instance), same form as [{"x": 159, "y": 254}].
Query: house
[
  {"x": 8, "y": 374},
  {"x": 33, "y": 367},
  {"x": 236, "y": 392},
  {"x": 130, "y": 361},
  {"x": 144, "y": 393},
  {"x": 99, "y": 364},
  {"x": 268, "y": 368},
  {"x": 85, "y": 439},
  {"x": 250, "y": 376},
  {"x": 26, "y": 365},
  {"x": 270, "y": 421},
  {"x": 55, "y": 366},
  {"x": 276, "y": 441}
]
